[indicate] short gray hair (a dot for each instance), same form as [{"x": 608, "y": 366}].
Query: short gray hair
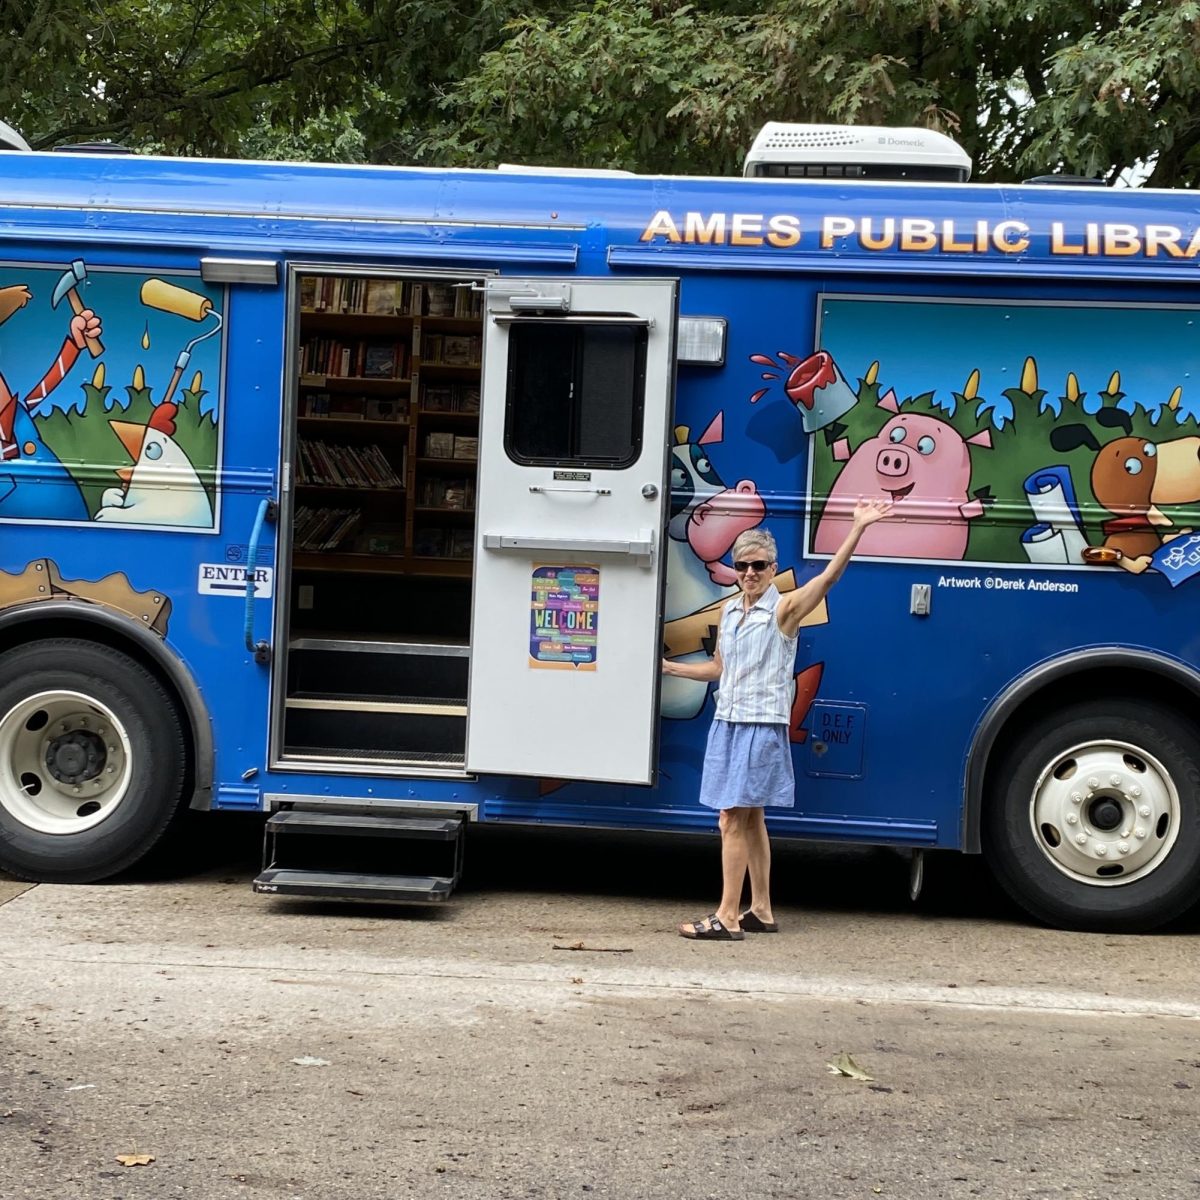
[{"x": 755, "y": 537}]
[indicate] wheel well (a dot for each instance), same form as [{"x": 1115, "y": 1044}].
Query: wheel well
[
  {"x": 1123, "y": 682},
  {"x": 173, "y": 679}
]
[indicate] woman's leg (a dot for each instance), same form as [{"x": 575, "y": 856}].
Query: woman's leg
[
  {"x": 735, "y": 858},
  {"x": 758, "y": 858}
]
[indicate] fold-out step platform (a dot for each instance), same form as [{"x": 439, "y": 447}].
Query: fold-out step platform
[{"x": 365, "y": 856}]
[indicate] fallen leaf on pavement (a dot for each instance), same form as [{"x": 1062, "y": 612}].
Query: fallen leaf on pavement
[
  {"x": 843, "y": 1064},
  {"x": 597, "y": 949},
  {"x": 135, "y": 1160}
]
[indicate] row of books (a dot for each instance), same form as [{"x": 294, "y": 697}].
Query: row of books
[
  {"x": 452, "y": 349},
  {"x": 324, "y": 528},
  {"x": 389, "y": 297},
  {"x": 450, "y": 397},
  {"x": 450, "y": 445},
  {"x": 432, "y": 541},
  {"x": 367, "y": 466},
  {"x": 447, "y": 492},
  {"x": 360, "y": 359},
  {"x": 344, "y": 406}
]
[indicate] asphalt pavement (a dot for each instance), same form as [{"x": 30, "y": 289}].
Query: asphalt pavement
[{"x": 546, "y": 1034}]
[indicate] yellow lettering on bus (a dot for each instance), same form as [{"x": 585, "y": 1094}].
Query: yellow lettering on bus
[
  {"x": 1058, "y": 242},
  {"x": 833, "y": 228},
  {"x": 661, "y": 225},
  {"x": 1121, "y": 240},
  {"x": 884, "y": 240},
  {"x": 784, "y": 231},
  {"x": 1164, "y": 237},
  {"x": 917, "y": 234},
  {"x": 702, "y": 232},
  {"x": 747, "y": 229},
  {"x": 1017, "y": 244}
]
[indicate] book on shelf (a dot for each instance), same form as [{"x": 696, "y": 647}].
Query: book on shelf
[
  {"x": 441, "y": 492},
  {"x": 439, "y": 445},
  {"x": 320, "y": 528},
  {"x": 465, "y": 447},
  {"x": 460, "y": 350},
  {"x": 379, "y": 361},
  {"x": 439, "y": 300},
  {"x": 323, "y": 463},
  {"x": 383, "y": 539},
  {"x": 349, "y": 407},
  {"x": 355, "y": 294},
  {"x": 324, "y": 357},
  {"x": 434, "y": 541},
  {"x": 385, "y": 408},
  {"x": 450, "y": 397},
  {"x": 382, "y": 297}
]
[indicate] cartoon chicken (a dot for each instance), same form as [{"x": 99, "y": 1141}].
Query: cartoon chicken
[{"x": 162, "y": 487}]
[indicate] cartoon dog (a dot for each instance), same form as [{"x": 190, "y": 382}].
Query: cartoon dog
[{"x": 1132, "y": 478}]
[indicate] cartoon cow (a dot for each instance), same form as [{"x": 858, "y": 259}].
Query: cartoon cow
[
  {"x": 161, "y": 487},
  {"x": 706, "y": 518},
  {"x": 1131, "y": 477},
  {"x": 923, "y": 466}
]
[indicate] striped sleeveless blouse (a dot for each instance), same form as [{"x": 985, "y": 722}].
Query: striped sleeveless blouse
[{"x": 758, "y": 663}]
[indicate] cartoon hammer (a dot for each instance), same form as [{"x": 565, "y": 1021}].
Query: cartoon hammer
[{"x": 75, "y": 275}]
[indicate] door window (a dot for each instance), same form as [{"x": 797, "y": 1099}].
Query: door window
[{"x": 576, "y": 392}]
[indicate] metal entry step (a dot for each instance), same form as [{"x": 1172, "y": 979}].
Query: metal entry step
[
  {"x": 427, "y": 705},
  {"x": 364, "y": 856}
]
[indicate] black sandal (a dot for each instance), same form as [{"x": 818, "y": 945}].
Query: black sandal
[
  {"x": 754, "y": 924},
  {"x": 710, "y": 929}
]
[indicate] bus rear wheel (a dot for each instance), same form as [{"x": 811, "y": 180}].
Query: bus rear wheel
[
  {"x": 1093, "y": 822},
  {"x": 92, "y": 761}
]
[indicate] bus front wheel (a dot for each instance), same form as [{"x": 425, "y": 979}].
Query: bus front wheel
[
  {"x": 1092, "y": 817},
  {"x": 92, "y": 761}
]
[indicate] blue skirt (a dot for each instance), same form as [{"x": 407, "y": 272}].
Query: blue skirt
[{"x": 747, "y": 765}]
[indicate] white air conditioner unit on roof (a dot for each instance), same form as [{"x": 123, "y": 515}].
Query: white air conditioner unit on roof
[
  {"x": 785, "y": 151},
  {"x": 10, "y": 139}
]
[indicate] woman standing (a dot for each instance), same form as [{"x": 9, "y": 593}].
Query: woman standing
[{"x": 748, "y": 762}]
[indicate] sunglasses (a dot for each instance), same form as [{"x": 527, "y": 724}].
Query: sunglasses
[{"x": 759, "y": 564}]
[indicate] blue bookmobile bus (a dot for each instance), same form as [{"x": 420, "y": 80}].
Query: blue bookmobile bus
[{"x": 371, "y": 499}]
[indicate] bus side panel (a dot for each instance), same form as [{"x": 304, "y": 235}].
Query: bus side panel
[{"x": 143, "y": 441}]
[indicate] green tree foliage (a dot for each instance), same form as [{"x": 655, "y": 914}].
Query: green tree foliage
[{"x": 1093, "y": 87}]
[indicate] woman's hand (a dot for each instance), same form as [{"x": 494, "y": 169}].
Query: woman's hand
[{"x": 867, "y": 512}]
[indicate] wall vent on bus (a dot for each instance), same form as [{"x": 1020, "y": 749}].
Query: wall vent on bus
[
  {"x": 787, "y": 151},
  {"x": 10, "y": 139}
]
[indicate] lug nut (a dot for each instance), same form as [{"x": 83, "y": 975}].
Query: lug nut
[
  {"x": 1123, "y": 847},
  {"x": 1139, "y": 832},
  {"x": 1076, "y": 797},
  {"x": 1081, "y": 838},
  {"x": 1093, "y": 782},
  {"x": 1144, "y": 811},
  {"x": 1115, "y": 780},
  {"x": 1072, "y": 819},
  {"x": 1135, "y": 791},
  {"x": 1101, "y": 849}
]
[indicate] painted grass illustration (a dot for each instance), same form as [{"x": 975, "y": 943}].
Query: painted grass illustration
[
  {"x": 85, "y": 444},
  {"x": 1020, "y": 419}
]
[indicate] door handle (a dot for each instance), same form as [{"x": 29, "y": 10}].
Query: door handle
[{"x": 638, "y": 547}]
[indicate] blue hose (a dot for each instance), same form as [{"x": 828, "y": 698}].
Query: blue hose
[{"x": 251, "y": 570}]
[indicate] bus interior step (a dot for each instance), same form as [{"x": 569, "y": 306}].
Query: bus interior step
[{"x": 361, "y": 855}]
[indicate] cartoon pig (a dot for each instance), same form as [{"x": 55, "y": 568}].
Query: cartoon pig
[{"x": 924, "y": 467}]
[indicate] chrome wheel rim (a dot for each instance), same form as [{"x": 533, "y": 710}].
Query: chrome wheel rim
[
  {"x": 1105, "y": 813},
  {"x": 65, "y": 762}
]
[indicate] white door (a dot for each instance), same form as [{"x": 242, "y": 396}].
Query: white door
[{"x": 577, "y": 398}]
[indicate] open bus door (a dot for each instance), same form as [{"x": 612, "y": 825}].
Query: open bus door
[{"x": 570, "y": 552}]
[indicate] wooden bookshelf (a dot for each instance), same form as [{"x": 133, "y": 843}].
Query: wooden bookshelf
[{"x": 406, "y": 347}]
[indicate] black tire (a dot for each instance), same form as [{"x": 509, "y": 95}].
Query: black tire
[
  {"x": 92, "y": 761},
  {"x": 1151, "y": 870}
]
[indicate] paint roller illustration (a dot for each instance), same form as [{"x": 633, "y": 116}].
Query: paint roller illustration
[{"x": 170, "y": 298}]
